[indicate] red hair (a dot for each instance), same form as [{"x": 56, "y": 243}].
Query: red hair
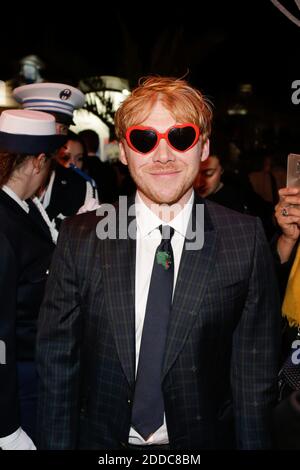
[{"x": 184, "y": 102}]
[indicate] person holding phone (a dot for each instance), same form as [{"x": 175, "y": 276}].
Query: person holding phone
[
  {"x": 287, "y": 254},
  {"x": 287, "y": 213}
]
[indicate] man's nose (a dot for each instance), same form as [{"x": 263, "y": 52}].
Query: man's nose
[{"x": 163, "y": 152}]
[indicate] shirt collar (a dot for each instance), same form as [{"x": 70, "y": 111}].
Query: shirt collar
[
  {"x": 147, "y": 221},
  {"x": 16, "y": 198}
]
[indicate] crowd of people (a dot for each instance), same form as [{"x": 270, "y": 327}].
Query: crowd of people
[{"x": 164, "y": 330}]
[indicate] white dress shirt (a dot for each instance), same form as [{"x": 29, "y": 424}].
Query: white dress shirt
[{"x": 148, "y": 239}]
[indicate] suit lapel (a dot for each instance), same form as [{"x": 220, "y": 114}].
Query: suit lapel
[
  {"x": 194, "y": 271},
  {"x": 119, "y": 289}
]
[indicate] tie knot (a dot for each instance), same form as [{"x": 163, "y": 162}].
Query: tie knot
[{"x": 167, "y": 232}]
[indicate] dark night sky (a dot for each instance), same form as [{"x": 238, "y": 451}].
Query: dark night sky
[{"x": 220, "y": 43}]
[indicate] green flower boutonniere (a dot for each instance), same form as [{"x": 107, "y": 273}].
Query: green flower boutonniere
[{"x": 164, "y": 258}]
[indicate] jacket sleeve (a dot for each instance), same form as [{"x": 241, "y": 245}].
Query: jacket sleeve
[
  {"x": 58, "y": 352},
  {"x": 256, "y": 351},
  {"x": 9, "y": 408}
]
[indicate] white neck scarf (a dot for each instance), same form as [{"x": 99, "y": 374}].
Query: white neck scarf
[{"x": 51, "y": 225}]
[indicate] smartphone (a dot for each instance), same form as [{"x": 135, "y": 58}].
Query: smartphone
[{"x": 293, "y": 171}]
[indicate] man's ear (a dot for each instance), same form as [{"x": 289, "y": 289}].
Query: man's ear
[
  {"x": 205, "y": 150},
  {"x": 123, "y": 157}
]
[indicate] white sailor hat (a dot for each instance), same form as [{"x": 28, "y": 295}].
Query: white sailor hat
[
  {"x": 29, "y": 132},
  {"x": 55, "y": 98}
]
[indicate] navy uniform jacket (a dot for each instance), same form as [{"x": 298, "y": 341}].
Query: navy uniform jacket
[
  {"x": 69, "y": 192},
  {"x": 219, "y": 376},
  {"x": 25, "y": 253}
]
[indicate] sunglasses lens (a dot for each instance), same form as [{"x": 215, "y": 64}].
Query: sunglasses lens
[
  {"x": 181, "y": 138},
  {"x": 143, "y": 140}
]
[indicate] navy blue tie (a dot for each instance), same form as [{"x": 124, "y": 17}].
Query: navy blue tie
[{"x": 148, "y": 403}]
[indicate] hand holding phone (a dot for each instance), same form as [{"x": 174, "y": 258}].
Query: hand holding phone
[{"x": 293, "y": 171}]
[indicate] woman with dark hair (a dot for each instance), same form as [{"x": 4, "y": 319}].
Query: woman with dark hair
[{"x": 27, "y": 239}]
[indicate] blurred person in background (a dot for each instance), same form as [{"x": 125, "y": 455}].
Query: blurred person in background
[
  {"x": 209, "y": 184},
  {"x": 101, "y": 172}
]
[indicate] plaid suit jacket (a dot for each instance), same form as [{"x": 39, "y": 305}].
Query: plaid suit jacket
[{"x": 221, "y": 357}]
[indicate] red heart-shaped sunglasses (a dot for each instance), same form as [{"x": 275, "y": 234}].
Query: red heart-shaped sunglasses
[{"x": 180, "y": 137}]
